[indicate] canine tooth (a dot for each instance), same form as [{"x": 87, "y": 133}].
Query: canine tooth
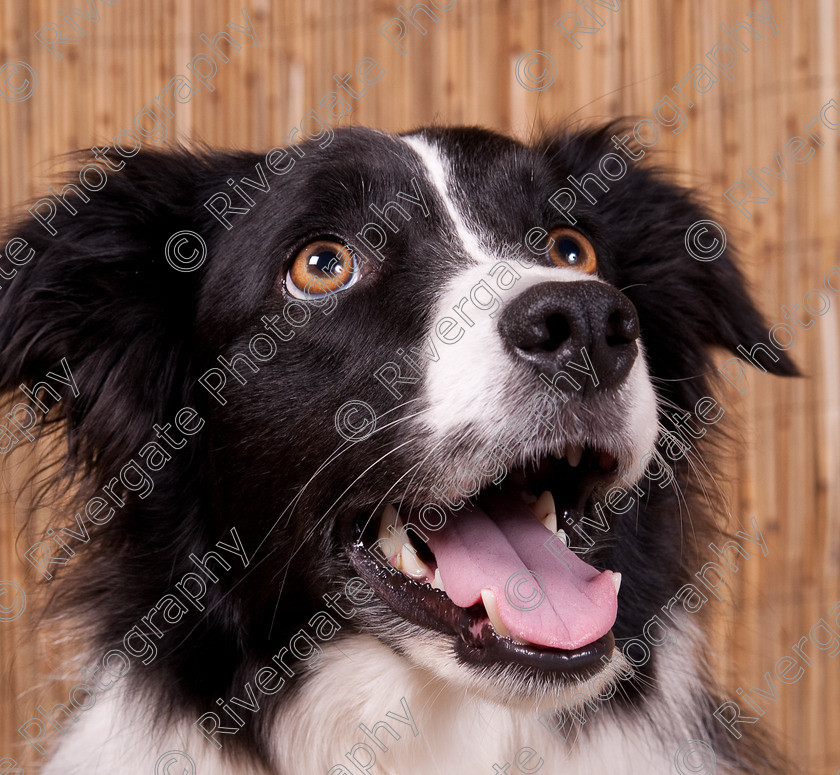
[
  {"x": 563, "y": 536},
  {"x": 437, "y": 582},
  {"x": 489, "y": 600},
  {"x": 412, "y": 565},
  {"x": 544, "y": 506},
  {"x": 616, "y": 577},
  {"x": 573, "y": 454},
  {"x": 550, "y": 521},
  {"x": 390, "y": 517}
]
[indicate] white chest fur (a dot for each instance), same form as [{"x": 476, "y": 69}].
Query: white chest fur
[{"x": 359, "y": 682}]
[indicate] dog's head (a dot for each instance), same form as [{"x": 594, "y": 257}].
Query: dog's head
[{"x": 412, "y": 367}]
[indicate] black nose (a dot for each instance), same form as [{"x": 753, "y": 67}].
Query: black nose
[{"x": 550, "y": 323}]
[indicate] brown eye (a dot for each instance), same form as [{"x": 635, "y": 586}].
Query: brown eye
[
  {"x": 570, "y": 248},
  {"x": 322, "y": 267}
]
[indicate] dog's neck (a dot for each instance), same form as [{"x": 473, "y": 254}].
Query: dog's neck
[
  {"x": 441, "y": 729},
  {"x": 360, "y": 680}
]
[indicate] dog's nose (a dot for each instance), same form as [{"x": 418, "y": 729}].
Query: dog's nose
[{"x": 548, "y": 325}]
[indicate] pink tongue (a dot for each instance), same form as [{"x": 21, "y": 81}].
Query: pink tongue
[{"x": 477, "y": 549}]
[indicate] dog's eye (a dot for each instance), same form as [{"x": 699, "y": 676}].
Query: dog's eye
[
  {"x": 322, "y": 267},
  {"x": 572, "y": 249}
]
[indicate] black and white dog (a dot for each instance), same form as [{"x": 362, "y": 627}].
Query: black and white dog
[{"x": 319, "y": 476}]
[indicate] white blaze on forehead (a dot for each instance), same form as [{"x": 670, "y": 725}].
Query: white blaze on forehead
[{"x": 439, "y": 176}]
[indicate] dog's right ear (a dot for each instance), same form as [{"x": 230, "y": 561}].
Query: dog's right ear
[{"x": 95, "y": 288}]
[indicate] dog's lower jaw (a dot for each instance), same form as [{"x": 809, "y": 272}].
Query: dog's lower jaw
[{"x": 360, "y": 680}]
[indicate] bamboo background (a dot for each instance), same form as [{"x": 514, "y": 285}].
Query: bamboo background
[{"x": 786, "y": 471}]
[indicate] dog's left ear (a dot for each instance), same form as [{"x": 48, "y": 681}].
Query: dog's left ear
[
  {"x": 689, "y": 307},
  {"x": 733, "y": 322},
  {"x": 694, "y": 301}
]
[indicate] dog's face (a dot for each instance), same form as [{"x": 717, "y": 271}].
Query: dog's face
[
  {"x": 443, "y": 332},
  {"x": 407, "y": 392}
]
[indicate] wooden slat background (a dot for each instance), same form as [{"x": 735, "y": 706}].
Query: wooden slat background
[{"x": 786, "y": 471}]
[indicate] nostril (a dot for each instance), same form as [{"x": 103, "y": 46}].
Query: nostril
[
  {"x": 621, "y": 328},
  {"x": 548, "y": 326},
  {"x": 559, "y": 331}
]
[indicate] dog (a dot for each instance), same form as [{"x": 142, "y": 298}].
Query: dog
[{"x": 365, "y": 452}]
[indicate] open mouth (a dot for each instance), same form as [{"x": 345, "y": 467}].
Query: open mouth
[{"x": 496, "y": 572}]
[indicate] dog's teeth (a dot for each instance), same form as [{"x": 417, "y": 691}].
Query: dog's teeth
[
  {"x": 545, "y": 511},
  {"x": 616, "y": 577},
  {"x": 437, "y": 582},
  {"x": 545, "y": 506},
  {"x": 489, "y": 600},
  {"x": 406, "y": 559},
  {"x": 550, "y": 521},
  {"x": 574, "y": 453},
  {"x": 528, "y": 497},
  {"x": 390, "y": 518},
  {"x": 563, "y": 536},
  {"x": 413, "y": 566}
]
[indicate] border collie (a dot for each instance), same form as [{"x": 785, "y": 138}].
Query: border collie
[{"x": 366, "y": 463}]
